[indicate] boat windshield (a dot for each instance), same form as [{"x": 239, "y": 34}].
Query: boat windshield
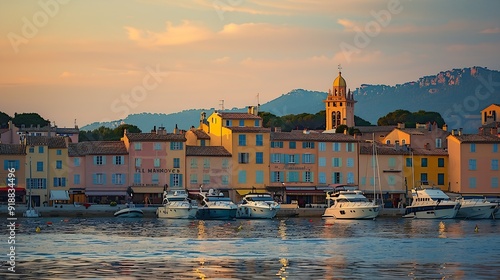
[
  {"x": 218, "y": 198},
  {"x": 260, "y": 198},
  {"x": 357, "y": 199}
]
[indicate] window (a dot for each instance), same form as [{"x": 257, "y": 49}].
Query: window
[
  {"x": 242, "y": 140},
  {"x": 350, "y": 162},
  {"x": 292, "y": 159},
  {"x": 177, "y": 163},
  {"x": 276, "y": 158},
  {"x": 155, "y": 178},
  {"x": 225, "y": 163},
  {"x": 206, "y": 163},
  {"x": 137, "y": 178},
  {"x": 307, "y": 158},
  {"x": 349, "y": 147},
  {"x": 36, "y": 183},
  {"x": 157, "y": 146},
  {"x": 242, "y": 176},
  {"x": 308, "y": 145},
  {"x": 439, "y": 143},
  {"x": 259, "y": 157},
  {"x": 242, "y": 123},
  {"x": 494, "y": 182},
  {"x": 495, "y": 148},
  {"x": 292, "y": 145},
  {"x": 157, "y": 162},
  {"x": 176, "y": 180},
  {"x": 391, "y": 180},
  {"x": 99, "y": 178},
  {"x": 337, "y": 162},
  {"x": 257, "y": 123},
  {"x": 32, "y": 150},
  {"x": 472, "y": 164},
  {"x": 59, "y": 182},
  {"x": 225, "y": 180},
  {"x": 194, "y": 163},
  {"x": 11, "y": 164},
  {"x": 336, "y": 147},
  {"x": 138, "y": 162},
  {"x": 473, "y": 147},
  {"x": 99, "y": 160},
  {"x": 350, "y": 178},
  {"x": 259, "y": 140},
  {"x": 193, "y": 179},
  {"x": 58, "y": 152},
  {"x": 277, "y": 176},
  {"x": 392, "y": 163},
  {"x": 322, "y": 146},
  {"x": 206, "y": 178},
  {"x": 308, "y": 176},
  {"x": 259, "y": 177},
  {"x": 76, "y": 179},
  {"x": 229, "y": 123},
  {"x": 440, "y": 162},
  {"x": 409, "y": 162},
  {"x": 39, "y": 166},
  {"x": 58, "y": 164},
  {"x": 336, "y": 178},
  {"x": 292, "y": 176},
  {"x": 423, "y": 162},
  {"x": 176, "y": 146},
  {"x": 440, "y": 179},
  {"x": 40, "y": 150},
  {"x": 119, "y": 179},
  {"x": 388, "y": 142},
  {"x": 203, "y": 143},
  {"x": 322, "y": 161},
  {"x": 494, "y": 164},
  {"x": 243, "y": 157},
  {"x": 322, "y": 178},
  {"x": 118, "y": 160},
  {"x": 472, "y": 182},
  {"x": 277, "y": 144},
  {"x": 76, "y": 161},
  {"x": 138, "y": 146},
  {"x": 423, "y": 177}
]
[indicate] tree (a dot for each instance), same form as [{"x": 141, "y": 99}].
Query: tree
[
  {"x": 107, "y": 134},
  {"x": 410, "y": 119},
  {"x": 4, "y": 120},
  {"x": 29, "y": 119}
]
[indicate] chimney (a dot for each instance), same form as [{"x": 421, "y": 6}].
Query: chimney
[
  {"x": 401, "y": 125},
  {"x": 176, "y": 130},
  {"x": 445, "y": 127},
  {"x": 250, "y": 110},
  {"x": 396, "y": 145},
  {"x": 277, "y": 129},
  {"x": 494, "y": 131},
  {"x": 481, "y": 131},
  {"x": 124, "y": 132},
  {"x": 154, "y": 129},
  {"x": 460, "y": 132},
  {"x": 453, "y": 132},
  {"x": 161, "y": 130}
]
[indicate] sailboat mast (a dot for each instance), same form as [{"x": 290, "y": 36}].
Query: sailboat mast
[
  {"x": 374, "y": 162},
  {"x": 30, "y": 183}
]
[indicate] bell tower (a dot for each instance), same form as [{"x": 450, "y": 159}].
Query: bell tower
[{"x": 339, "y": 104}]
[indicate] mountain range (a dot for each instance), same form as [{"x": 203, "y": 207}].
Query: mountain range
[{"x": 458, "y": 95}]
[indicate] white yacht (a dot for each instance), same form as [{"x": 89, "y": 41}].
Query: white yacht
[
  {"x": 348, "y": 202},
  {"x": 257, "y": 206},
  {"x": 129, "y": 212},
  {"x": 431, "y": 203},
  {"x": 475, "y": 207},
  {"x": 177, "y": 205},
  {"x": 215, "y": 206}
]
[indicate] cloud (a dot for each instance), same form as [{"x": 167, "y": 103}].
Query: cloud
[
  {"x": 494, "y": 30},
  {"x": 185, "y": 33}
]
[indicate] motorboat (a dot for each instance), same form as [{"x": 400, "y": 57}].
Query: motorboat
[
  {"x": 129, "y": 212},
  {"x": 431, "y": 203},
  {"x": 475, "y": 207},
  {"x": 348, "y": 202},
  {"x": 215, "y": 206},
  {"x": 257, "y": 206},
  {"x": 177, "y": 205}
]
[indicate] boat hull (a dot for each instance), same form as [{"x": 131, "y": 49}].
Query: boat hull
[
  {"x": 129, "y": 213},
  {"x": 31, "y": 213},
  {"x": 255, "y": 212},
  {"x": 176, "y": 212},
  {"x": 216, "y": 213},
  {"x": 484, "y": 211},
  {"x": 432, "y": 211},
  {"x": 352, "y": 213}
]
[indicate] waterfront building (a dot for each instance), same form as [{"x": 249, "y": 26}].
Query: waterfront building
[
  {"x": 243, "y": 136},
  {"x": 426, "y": 166},
  {"x": 339, "y": 105},
  {"x": 13, "y": 156},
  {"x": 424, "y": 136},
  {"x": 157, "y": 162},
  {"x": 57, "y": 170},
  {"x": 490, "y": 114},
  {"x": 474, "y": 163},
  {"x": 98, "y": 171}
]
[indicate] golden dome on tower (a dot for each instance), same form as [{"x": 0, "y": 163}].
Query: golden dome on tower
[{"x": 339, "y": 81}]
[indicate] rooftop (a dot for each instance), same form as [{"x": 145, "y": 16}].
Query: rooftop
[
  {"x": 97, "y": 148},
  {"x": 215, "y": 151}
]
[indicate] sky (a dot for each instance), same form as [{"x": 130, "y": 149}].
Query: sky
[{"x": 76, "y": 61}]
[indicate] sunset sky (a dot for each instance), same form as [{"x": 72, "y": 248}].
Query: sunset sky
[{"x": 98, "y": 60}]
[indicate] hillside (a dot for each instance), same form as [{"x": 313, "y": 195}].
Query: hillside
[{"x": 458, "y": 95}]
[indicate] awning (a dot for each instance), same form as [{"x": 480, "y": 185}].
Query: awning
[
  {"x": 76, "y": 190},
  {"x": 304, "y": 191},
  {"x": 19, "y": 191},
  {"x": 148, "y": 189},
  {"x": 59, "y": 195},
  {"x": 246, "y": 191},
  {"x": 105, "y": 193}
]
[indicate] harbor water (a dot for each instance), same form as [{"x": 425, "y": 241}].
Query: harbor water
[{"x": 283, "y": 248}]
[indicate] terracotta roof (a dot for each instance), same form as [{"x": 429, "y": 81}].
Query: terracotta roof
[
  {"x": 249, "y": 129},
  {"x": 214, "y": 151},
  {"x": 97, "y": 148},
  {"x": 53, "y": 142},
  {"x": 12, "y": 149},
  {"x": 321, "y": 137},
  {"x": 476, "y": 138},
  {"x": 200, "y": 134},
  {"x": 367, "y": 149},
  {"x": 238, "y": 116},
  {"x": 430, "y": 152},
  {"x": 369, "y": 129},
  {"x": 57, "y": 142},
  {"x": 68, "y": 130},
  {"x": 154, "y": 137},
  {"x": 492, "y": 125}
]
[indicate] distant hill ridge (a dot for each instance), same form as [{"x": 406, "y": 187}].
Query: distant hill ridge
[{"x": 457, "y": 94}]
